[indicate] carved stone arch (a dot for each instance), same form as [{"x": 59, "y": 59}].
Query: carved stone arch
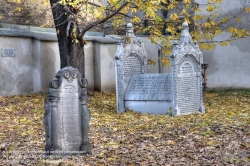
[
  {"x": 187, "y": 84},
  {"x": 187, "y": 59},
  {"x": 132, "y": 64},
  {"x": 186, "y": 67},
  {"x": 130, "y": 58}
]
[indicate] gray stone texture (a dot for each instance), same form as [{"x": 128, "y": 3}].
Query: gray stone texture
[
  {"x": 179, "y": 91},
  {"x": 66, "y": 117},
  {"x": 130, "y": 59},
  {"x": 149, "y": 87},
  {"x": 186, "y": 60},
  {"x": 149, "y": 93}
]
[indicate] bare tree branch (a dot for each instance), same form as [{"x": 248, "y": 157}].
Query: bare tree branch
[{"x": 101, "y": 21}]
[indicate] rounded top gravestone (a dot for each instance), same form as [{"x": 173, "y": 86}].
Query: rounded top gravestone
[{"x": 66, "y": 117}]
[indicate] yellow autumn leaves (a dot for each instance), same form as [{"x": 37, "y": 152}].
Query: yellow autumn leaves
[
  {"x": 150, "y": 20},
  {"x": 132, "y": 137}
]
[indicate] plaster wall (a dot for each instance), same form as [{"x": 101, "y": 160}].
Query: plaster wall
[
  {"x": 229, "y": 65},
  {"x": 104, "y": 70},
  {"x": 152, "y": 53},
  {"x": 49, "y": 62},
  {"x": 97, "y": 67},
  {"x": 34, "y": 65},
  {"x": 89, "y": 64},
  {"x": 107, "y": 66},
  {"x": 16, "y": 72}
]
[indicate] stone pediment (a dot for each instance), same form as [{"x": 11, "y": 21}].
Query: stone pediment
[
  {"x": 186, "y": 47},
  {"x": 130, "y": 44},
  {"x": 130, "y": 58}
]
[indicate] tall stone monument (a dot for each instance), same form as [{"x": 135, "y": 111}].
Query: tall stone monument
[
  {"x": 130, "y": 58},
  {"x": 66, "y": 117},
  {"x": 186, "y": 60}
]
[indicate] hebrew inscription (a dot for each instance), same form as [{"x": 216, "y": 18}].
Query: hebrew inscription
[
  {"x": 149, "y": 87},
  {"x": 130, "y": 58},
  {"x": 131, "y": 65},
  {"x": 187, "y": 87},
  {"x": 8, "y": 52},
  {"x": 66, "y": 117},
  {"x": 70, "y": 119}
]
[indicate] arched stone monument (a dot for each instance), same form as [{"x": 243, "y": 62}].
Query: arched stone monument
[
  {"x": 66, "y": 117},
  {"x": 186, "y": 60},
  {"x": 130, "y": 58}
]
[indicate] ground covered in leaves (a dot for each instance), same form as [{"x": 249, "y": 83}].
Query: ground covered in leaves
[{"x": 221, "y": 136}]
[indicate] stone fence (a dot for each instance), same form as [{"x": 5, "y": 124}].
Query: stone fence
[{"x": 34, "y": 60}]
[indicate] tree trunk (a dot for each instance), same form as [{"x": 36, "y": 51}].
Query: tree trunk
[{"x": 70, "y": 48}]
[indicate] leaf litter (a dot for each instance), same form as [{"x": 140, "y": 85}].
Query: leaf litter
[{"x": 221, "y": 136}]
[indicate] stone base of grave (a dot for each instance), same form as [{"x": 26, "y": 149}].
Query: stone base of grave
[
  {"x": 149, "y": 107},
  {"x": 61, "y": 154},
  {"x": 176, "y": 111},
  {"x": 202, "y": 109},
  {"x": 87, "y": 148}
]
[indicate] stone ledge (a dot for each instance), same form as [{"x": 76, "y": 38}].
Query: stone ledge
[
  {"x": 52, "y": 36},
  {"x": 102, "y": 40},
  {"x": 29, "y": 34},
  {"x": 49, "y": 34}
]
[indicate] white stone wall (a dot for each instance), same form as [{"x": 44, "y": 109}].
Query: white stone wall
[
  {"x": 30, "y": 71},
  {"x": 228, "y": 65}
]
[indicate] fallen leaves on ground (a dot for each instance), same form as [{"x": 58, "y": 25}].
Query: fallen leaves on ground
[{"x": 221, "y": 136}]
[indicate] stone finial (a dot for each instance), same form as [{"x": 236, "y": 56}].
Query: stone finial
[
  {"x": 185, "y": 29},
  {"x": 130, "y": 30},
  {"x": 185, "y": 35},
  {"x": 129, "y": 25},
  {"x": 184, "y": 24}
]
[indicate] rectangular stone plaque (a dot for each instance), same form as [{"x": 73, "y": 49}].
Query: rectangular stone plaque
[
  {"x": 150, "y": 87},
  {"x": 8, "y": 52}
]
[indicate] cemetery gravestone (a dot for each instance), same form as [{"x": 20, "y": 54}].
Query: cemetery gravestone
[
  {"x": 186, "y": 60},
  {"x": 180, "y": 90},
  {"x": 149, "y": 93},
  {"x": 130, "y": 59},
  {"x": 66, "y": 117}
]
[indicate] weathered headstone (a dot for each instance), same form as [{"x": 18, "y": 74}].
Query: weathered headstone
[
  {"x": 130, "y": 59},
  {"x": 66, "y": 117},
  {"x": 149, "y": 93},
  {"x": 186, "y": 60},
  {"x": 180, "y": 90}
]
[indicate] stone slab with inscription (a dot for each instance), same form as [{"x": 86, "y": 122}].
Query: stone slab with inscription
[
  {"x": 66, "y": 117},
  {"x": 186, "y": 60},
  {"x": 149, "y": 93}
]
